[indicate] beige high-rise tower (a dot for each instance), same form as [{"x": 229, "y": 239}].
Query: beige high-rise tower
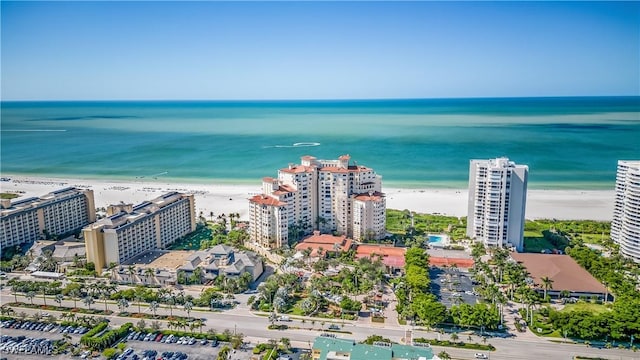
[{"x": 325, "y": 195}]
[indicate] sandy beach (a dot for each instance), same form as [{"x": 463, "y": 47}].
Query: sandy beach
[{"x": 219, "y": 199}]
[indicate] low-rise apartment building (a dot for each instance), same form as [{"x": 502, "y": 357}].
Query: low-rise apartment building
[
  {"x": 58, "y": 213},
  {"x": 153, "y": 224},
  {"x": 223, "y": 260}
]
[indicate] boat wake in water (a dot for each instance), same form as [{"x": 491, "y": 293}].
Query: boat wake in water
[{"x": 300, "y": 144}]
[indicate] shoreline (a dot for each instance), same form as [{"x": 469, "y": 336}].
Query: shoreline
[{"x": 226, "y": 198}]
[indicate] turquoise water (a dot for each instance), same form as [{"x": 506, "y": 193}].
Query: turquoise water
[
  {"x": 570, "y": 143},
  {"x": 436, "y": 239}
]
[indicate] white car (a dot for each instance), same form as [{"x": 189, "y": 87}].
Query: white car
[{"x": 481, "y": 356}]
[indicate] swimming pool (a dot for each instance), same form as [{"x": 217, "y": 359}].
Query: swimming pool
[{"x": 438, "y": 240}]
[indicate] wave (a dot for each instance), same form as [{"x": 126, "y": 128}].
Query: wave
[
  {"x": 300, "y": 144},
  {"x": 32, "y": 130}
]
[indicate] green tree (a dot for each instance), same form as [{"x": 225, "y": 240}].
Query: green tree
[
  {"x": 547, "y": 284},
  {"x": 154, "y": 307},
  {"x": 123, "y": 304},
  {"x": 30, "y": 295},
  {"x": 429, "y": 310},
  {"x": 88, "y": 301},
  {"x": 188, "y": 306},
  {"x": 58, "y": 299}
]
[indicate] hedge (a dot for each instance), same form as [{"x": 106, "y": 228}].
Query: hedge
[
  {"x": 106, "y": 339},
  {"x": 458, "y": 344}
]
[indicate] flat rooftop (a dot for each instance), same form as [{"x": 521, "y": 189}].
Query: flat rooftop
[
  {"x": 36, "y": 202},
  {"x": 160, "y": 259},
  {"x": 562, "y": 269}
]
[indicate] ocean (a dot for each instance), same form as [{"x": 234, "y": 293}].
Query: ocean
[{"x": 568, "y": 143}]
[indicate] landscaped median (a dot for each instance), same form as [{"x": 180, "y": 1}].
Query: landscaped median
[
  {"x": 456, "y": 344},
  {"x": 80, "y": 310}
]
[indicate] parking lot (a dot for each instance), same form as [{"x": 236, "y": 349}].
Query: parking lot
[
  {"x": 452, "y": 286},
  {"x": 176, "y": 348}
]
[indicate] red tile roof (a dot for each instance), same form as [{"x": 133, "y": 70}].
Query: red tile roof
[
  {"x": 368, "y": 249},
  {"x": 324, "y": 241},
  {"x": 334, "y": 169},
  {"x": 391, "y": 256},
  {"x": 442, "y": 261},
  {"x": 266, "y": 200},
  {"x": 297, "y": 169},
  {"x": 374, "y": 196}
]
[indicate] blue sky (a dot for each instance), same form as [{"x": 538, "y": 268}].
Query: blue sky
[{"x": 317, "y": 50}]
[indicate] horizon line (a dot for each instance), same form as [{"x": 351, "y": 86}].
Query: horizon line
[{"x": 324, "y": 99}]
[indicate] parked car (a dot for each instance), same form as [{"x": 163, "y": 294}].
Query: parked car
[{"x": 481, "y": 356}]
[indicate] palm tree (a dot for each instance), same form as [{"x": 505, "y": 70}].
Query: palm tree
[
  {"x": 547, "y": 284},
  {"x": 75, "y": 295},
  {"x": 139, "y": 297},
  {"x": 454, "y": 337},
  {"x": 95, "y": 289},
  {"x": 131, "y": 270},
  {"x": 188, "y": 306},
  {"x": 444, "y": 355},
  {"x": 244, "y": 280},
  {"x": 154, "y": 307},
  {"x": 148, "y": 273},
  {"x": 171, "y": 302},
  {"x": 5, "y": 310},
  {"x": 58, "y": 299},
  {"x": 88, "y": 300},
  {"x": 48, "y": 262},
  {"x": 44, "y": 295},
  {"x": 105, "y": 294},
  {"x": 30, "y": 295},
  {"x": 123, "y": 304},
  {"x": 14, "y": 289},
  {"x": 286, "y": 343},
  {"x": 112, "y": 269}
]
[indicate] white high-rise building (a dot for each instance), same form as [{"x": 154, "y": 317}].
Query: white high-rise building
[
  {"x": 625, "y": 226},
  {"x": 326, "y": 195},
  {"x": 58, "y": 213},
  {"x": 497, "y": 200}
]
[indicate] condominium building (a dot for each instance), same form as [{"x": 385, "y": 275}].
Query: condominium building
[
  {"x": 325, "y": 195},
  {"x": 625, "y": 226},
  {"x": 153, "y": 224},
  {"x": 369, "y": 212},
  {"x": 58, "y": 213},
  {"x": 497, "y": 200}
]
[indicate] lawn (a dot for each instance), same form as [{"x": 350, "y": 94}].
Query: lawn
[
  {"x": 193, "y": 240},
  {"x": 593, "y": 238},
  {"x": 586, "y": 306},
  {"x": 8, "y": 196}
]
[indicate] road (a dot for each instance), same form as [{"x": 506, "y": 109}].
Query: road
[{"x": 302, "y": 335}]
